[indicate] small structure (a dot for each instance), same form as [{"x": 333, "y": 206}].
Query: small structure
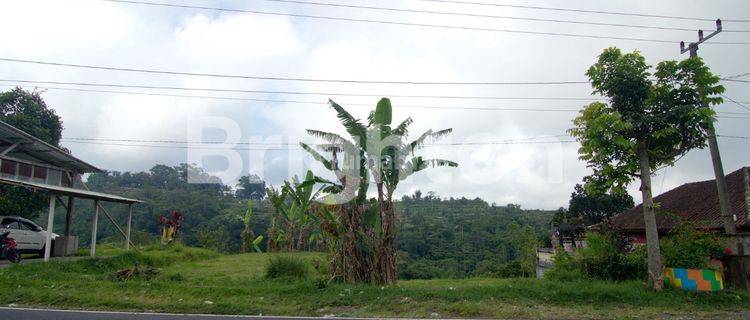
[
  {"x": 697, "y": 203},
  {"x": 569, "y": 237},
  {"x": 544, "y": 260},
  {"x": 28, "y": 162}
]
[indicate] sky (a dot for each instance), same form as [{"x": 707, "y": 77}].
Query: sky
[{"x": 537, "y": 170}]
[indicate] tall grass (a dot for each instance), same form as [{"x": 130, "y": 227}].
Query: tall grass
[{"x": 287, "y": 266}]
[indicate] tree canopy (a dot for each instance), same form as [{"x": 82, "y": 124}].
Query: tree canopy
[
  {"x": 649, "y": 121},
  {"x": 251, "y": 187},
  {"x": 663, "y": 113},
  {"x": 27, "y": 111}
]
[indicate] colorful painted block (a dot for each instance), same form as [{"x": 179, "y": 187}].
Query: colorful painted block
[{"x": 694, "y": 279}]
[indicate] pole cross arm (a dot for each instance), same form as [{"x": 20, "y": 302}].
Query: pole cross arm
[{"x": 693, "y": 46}]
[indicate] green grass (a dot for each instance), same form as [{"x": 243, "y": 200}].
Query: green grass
[{"x": 236, "y": 284}]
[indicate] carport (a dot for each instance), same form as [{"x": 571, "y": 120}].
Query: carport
[
  {"x": 28, "y": 162},
  {"x": 56, "y": 192}
]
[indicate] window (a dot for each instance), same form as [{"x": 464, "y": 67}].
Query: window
[
  {"x": 10, "y": 224},
  {"x": 40, "y": 174},
  {"x": 24, "y": 171},
  {"x": 30, "y": 227},
  {"x": 53, "y": 177},
  {"x": 8, "y": 168}
]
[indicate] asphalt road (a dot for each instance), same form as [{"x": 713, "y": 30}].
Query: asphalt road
[{"x": 45, "y": 314}]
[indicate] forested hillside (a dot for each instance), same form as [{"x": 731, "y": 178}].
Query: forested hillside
[
  {"x": 462, "y": 237},
  {"x": 437, "y": 237}
]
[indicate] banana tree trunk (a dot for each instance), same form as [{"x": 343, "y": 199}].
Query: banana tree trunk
[
  {"x": 387, "y": 269},
  {"x": 355, "y": 259},
  {"x": 272, "y": 236},
  {"x": 655, "y": 269}
]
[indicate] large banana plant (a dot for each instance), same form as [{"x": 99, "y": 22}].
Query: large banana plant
[{"x": 379, "y": 151}]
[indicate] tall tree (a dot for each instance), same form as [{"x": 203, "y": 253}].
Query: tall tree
[
  {"x": 649, "y": 121},
  {"x": 27, "y": 111},
  {"x": 597, "y": 206},
  {"x": 251, "y": 187}
]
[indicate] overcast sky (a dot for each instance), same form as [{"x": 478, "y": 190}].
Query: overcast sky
[{"x": 535, "y": 175}]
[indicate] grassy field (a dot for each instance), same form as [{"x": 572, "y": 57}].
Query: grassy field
[{"x": 199, "y": 281}]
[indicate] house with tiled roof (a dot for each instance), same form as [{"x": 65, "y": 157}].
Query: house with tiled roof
[{"x": 696, "y": 202}]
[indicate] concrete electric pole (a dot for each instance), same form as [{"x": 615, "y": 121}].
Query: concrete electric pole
[
  {"x": 737, "y": 272},
  {"x": 713, "y": 146}
]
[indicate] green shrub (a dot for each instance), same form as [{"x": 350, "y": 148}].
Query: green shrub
[
  {"x": 565, "y": 268},
  {"x": 287, "y": 266},
  {"x": 606, "y": 256},
  {"x": 419, "y": 269},
  {"x": 686, "y": 247}
]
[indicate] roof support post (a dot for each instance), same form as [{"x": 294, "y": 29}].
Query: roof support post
[
  {"x": 127, "y": 230},
  {"x": 69, "y": 217},
  {"x": 94, "y": 221},
  {"x": 50, "y": 222}
]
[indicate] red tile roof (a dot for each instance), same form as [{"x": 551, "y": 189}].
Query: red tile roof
[{"x": 696, "y": 202}]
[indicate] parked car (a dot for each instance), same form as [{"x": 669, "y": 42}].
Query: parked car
[{"x": 29, "y": 237}]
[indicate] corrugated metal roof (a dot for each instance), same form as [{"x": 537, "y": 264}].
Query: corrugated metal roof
[
  {"x": 70, "y": 191},
  {"x": 41, "y": 150},
  {"x": 697, "y": 202}
]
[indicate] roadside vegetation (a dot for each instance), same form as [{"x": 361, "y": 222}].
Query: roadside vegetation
[
  {"x": 199, "y": 281},
  {"x": 320, "y": 247}
]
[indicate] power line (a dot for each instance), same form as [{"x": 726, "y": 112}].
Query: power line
[
  {"x": 425, "y": 25},
  {"x": 539, "y": 109},
  {"x": 203, "y": 146},
  {"x": 297, "y": 148},
  {"x": 583, "y": 11},
  {"x": 736, "y": 76},
  {"x": 231, "y": 76},
  {"x": 735, "y": 80},
  {"x": 216, "y": 75},
  {"x": 528, "y": 109},
  {"x": 736, "y": 102},
  {"x": 733, "y": 137},
  {"x": 296, "y": 144},
  {"x": 88, "y": 84},
  {"x": 473, "y": 15}
]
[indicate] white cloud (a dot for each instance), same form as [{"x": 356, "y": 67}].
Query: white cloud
[{"x": 92, "y": 32}]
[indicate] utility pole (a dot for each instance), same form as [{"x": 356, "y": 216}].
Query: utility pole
[
  {"x": 737, "y": 271},
  {"x": 721, "y": 184}
]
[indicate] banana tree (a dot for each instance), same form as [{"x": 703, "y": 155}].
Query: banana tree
[
  {"x": 392, "y": 161},
  {"x": 380, "y": 151},
  {"x": 249, "y": 240},
  {"x": 293, "y": 206}
]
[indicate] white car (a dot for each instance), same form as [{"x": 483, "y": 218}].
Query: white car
[{"x": 30, "y": 238}]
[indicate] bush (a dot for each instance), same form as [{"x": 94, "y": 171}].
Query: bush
[
  {"x": 419, "y": 269},
  {"x": 686, "y": 247},
  {"x": 606, "y": 256},
  {"x": 565, "y": 268},
  {"x": 287, "y": 266},
  {"x": 512, "y": 269}
]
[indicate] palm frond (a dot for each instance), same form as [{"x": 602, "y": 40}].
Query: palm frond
[
  {"x": 352, "y": 124},
  {"x": 403, "y": 128},
  {"x": 332, "y": 138},
  {"x": 441, "y": 163},
  {"x": 434, "y": 135},
  {"x": 317, "y": 156},
  {"x": 329, "y": 147}
]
